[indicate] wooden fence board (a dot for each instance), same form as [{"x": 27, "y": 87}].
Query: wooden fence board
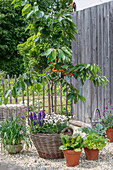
[
  {"x": 95, "y": 46},
  {"x": 9, "y": 88}
]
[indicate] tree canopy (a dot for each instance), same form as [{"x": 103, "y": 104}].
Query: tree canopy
[{"x": 12, "y": 32}]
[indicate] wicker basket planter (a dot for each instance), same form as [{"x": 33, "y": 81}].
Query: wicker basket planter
[{"x": 48, "y": 145}]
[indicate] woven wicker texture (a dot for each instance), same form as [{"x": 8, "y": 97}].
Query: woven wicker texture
[{"x": 48, "y": 145}]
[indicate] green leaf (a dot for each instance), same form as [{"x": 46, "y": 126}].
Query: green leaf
[
  {"x": 77, "y": 150},
  {"x": 62, "y": 147},
  {"x": 14, "y": 92},
  {"x": 7, "y": 93},
  {"x": 47, "y": 52},
  {"x": 39, "y": 14},
  {"x": 26, "y": 9},
  {"x": 62, "y": 55},
  {"x": 35, "y": 9},
  {"x": 6, "y": 100},
  {"x": 66, "y": 51},
  {"x": 17, "y": 4},
  {"x": 29, "y": 15},
  {"x": 1, "y": 99},
  {"x": 13, "y": 2},
  {"x": 54, "y": 53}
]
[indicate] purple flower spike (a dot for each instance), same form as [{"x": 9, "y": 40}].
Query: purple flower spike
[
  {"x": 100, "y": 122},
  {"x": 39, "y": 122},
  {"x": 97, "y": 111},
  {"x": 99, "y": 115},
  {"x": 94, "y": 124},
  {"x": 112, "y": 107},
  {"x": 31, "y": 116},
  {"x": 33, "y": 123},
  {"x": 35, "y": 117},
  {"x": 106, "y": 107},
  {"x": 108, "y": 123},
  {"x": 103, "y": 123},
  {"x": 109, "y": 116},
  {"x": 39, "y": 115}
]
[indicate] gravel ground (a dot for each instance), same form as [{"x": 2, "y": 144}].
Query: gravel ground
[{"x": 29, "y": 160}]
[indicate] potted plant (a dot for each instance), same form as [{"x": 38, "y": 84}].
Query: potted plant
[
  {"x": 92, "y": 144},
  {"x": 13, "y": 135},
  {"x": 45, "y": 133},
  {"x": 106, "y": 120},
  {"x": 72, "y": 148}
]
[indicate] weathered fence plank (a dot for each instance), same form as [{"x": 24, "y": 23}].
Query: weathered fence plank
[
  {"x": 95, "y": 46},
  {"x": 9, "y": 88}
]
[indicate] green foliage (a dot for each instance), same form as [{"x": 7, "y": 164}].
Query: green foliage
[
  {"x": 12, "y": 27},
  {"x": 51, "y": 35},
  {"x": 97, "y": 129},
  {"x": 106, "y": 117},
  {"x": 74, "y": 142},
  {"x": 13, "y": 132},
  {"x": 94, "y": 141},
  {"x": 41, "y": 123}
]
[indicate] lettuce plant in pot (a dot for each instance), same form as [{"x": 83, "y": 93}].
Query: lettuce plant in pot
[
  {"x": 45, "y": 133},
  {"x": 13, "y": 134},
  {"x": 72, "y": 148},
  {"x": 92, "y": 144},
  {"x": 106, "y": 120}
]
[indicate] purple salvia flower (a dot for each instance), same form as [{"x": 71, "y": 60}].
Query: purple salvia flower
[
  {"x": 100, "y": 122},
  {"x": 99, "y": 115},
  {"x": 39, "y": 115},
  {"x": 39, "y": 122},
  {"x": 103, "y": 123},
  {"x": 103, "y": 114},
  {"x": 94, "y": 124},
  {"x": 33, "y": 123},
  {"x": 35, "y": 117},
  {"x": 97, "y": 111},
  {"x": 109, "y": 116},
  {"x": 106, "y": 107},
  {"x": 112, "y": 107},
  {"x": 31, "y": 116}
]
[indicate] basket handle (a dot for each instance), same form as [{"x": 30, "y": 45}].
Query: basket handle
[{"x": 67, "y": 129}]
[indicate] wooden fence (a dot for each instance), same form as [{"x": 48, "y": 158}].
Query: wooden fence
[
  {"x": 49, "y": 100},
  {"x": 95, "y": 46}
]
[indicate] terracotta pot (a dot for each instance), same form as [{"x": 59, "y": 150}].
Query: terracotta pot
[
  {"x": 71, "y": 157},
  {"x": 109, "y": 133},
  {"x": 91, "y": 154},
  {"x": 14, "y": 149}
]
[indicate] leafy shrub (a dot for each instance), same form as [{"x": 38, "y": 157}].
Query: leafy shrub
[
  {"x": 14, "y": 132},
  {"x": 74, "y": 142},
  {"x": 94, "y": 141}
]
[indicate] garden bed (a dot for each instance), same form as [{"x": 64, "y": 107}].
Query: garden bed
[{"x": 30, "y": 160}]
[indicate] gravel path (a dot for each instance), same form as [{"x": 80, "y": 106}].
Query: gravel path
[{"x": 29, "y": 160}]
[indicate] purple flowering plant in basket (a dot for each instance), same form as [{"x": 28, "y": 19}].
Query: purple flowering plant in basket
[
  {"x": 106, "y": 116},
  {"x": 44, "y": 123}
]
